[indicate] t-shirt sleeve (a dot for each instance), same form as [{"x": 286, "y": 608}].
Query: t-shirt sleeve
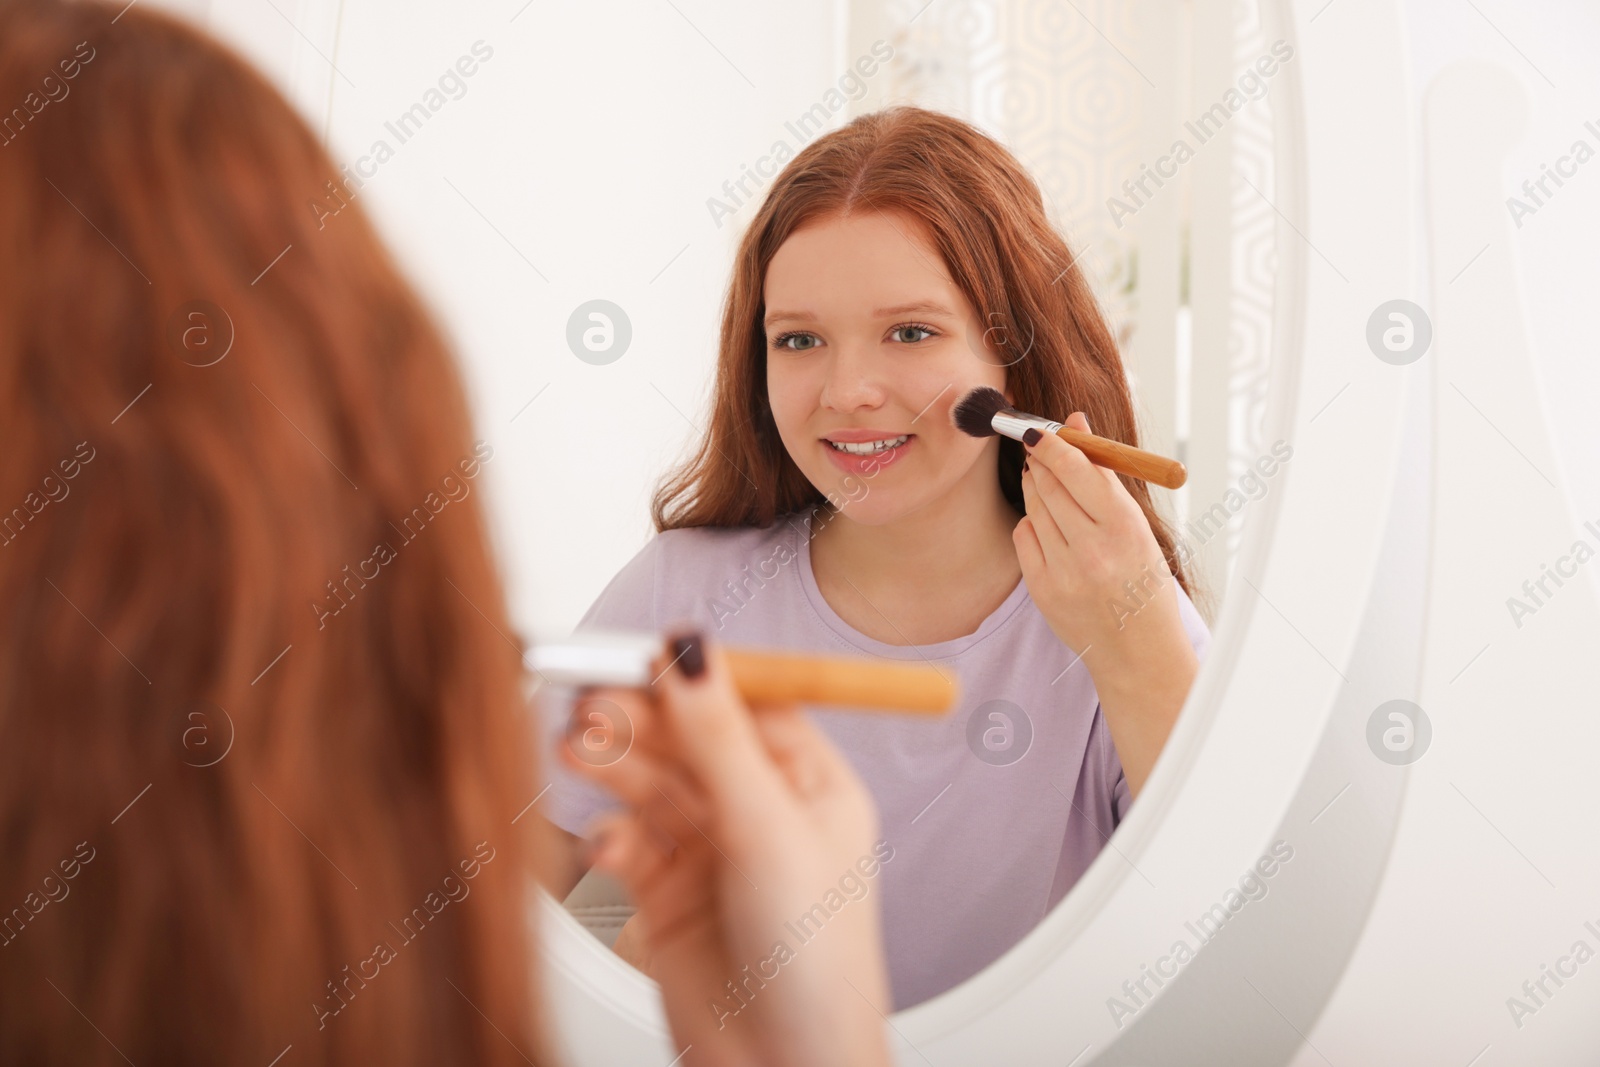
[
  {"x": 628, "y": 602},
  {"x": 1200, "y": 639}
]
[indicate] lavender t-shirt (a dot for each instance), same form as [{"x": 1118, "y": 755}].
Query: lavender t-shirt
[{"x": 993, "y": 811}]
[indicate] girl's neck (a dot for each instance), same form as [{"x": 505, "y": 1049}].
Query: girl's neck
[{"x": 956, "y": 550}]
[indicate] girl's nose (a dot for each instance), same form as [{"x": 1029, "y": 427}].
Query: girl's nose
[{"x": 853, "y": 380}]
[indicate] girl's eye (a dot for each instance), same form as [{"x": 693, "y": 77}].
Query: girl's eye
[
  {"x": 911, "y": 333},
  {"x": 796, "y": 342}
]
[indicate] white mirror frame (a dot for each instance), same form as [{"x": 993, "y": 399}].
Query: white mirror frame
[{"x": 1303, "y": 654}]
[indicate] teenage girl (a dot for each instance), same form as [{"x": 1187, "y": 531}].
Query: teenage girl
[{"x": 896, "y": 264}]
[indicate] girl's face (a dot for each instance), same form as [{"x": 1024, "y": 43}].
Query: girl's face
[{"x": 869, "y": 345}]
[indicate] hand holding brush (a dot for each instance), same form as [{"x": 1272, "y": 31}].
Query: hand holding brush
[
  {"x": 1095, "y": 570},
  {"x": 984, "y": 412}
]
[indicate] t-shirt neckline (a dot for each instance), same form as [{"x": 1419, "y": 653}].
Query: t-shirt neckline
[{"x": 940, "y": 650}]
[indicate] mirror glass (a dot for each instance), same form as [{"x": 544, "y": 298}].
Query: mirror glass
[{"x": 570, "y": 185}]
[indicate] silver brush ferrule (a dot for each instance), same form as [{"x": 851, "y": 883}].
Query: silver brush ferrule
[
  {"x": 1014, "y": 424},
  {"x": 595, "y": 657}
]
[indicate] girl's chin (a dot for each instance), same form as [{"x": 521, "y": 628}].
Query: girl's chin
[{"x": 877, "y": 505}]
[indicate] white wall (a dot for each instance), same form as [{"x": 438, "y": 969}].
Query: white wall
[
  {"x": 576, "y": 165},
  {"x": 1555, "y": 248},
  {"x": 590, "y": 141}
]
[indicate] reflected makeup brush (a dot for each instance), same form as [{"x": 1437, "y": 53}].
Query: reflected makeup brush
[
  {"x": 620, "y": 658},
  {"x": 984, "y": 412}
]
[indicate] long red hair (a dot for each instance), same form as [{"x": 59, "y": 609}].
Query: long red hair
[
  {"x": 218, "y": 794},
  {"x": 988, "y": 221}
]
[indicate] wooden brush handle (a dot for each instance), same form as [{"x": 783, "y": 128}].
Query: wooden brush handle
[
  {"x": 779, "y": 678},
  {"x": 1125, "y": 459}
]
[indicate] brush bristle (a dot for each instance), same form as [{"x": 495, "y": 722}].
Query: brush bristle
[{"x": 974, "y": 414}]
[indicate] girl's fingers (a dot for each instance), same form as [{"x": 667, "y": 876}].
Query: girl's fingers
[
  {"x": 810, "y": 764},
  {"x": 618, "y": 738},
  {"x": 697, "y": 731},
  {"x": 654, "y": 878},
  {"x": 1070, "y": 517},
  {"x": 637, "y": 854},
  {"x": 1052, "y": 544},
  {"x": 1084, "y": 481},
  {"x": 672, "y": 804},
  {"x": 619, "y": 850},
  {"x": 1029, "y": 552},
  {"x": 715, "y": 736},
  {"x": 1079, "y": 421},
  {"x": 606, "y": 724},
  {"x": 675, "y": 903},
  {"x": 643, "y": 780},
  {"x": 668, "y": 888}
]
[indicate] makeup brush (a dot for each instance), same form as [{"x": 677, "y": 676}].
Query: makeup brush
[
  {"x": 599, "y": 657},
  {"x": 984, "y": 413}
]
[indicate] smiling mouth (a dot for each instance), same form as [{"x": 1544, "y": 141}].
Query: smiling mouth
[{"x": 867, "y": 448}]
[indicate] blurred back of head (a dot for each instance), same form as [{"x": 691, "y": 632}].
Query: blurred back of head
[{"x": 261, "y": 728}]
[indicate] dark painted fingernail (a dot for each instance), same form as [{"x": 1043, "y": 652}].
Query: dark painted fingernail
[
  {"x": 1032, "y": 436},
  {"x": 689, "y": 655}
]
